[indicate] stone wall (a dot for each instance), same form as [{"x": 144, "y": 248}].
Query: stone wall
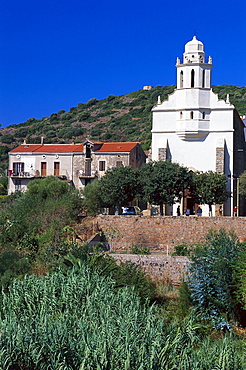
[
  {"x": 163, "y": 233},
  {"x": 161, "y": 268}
]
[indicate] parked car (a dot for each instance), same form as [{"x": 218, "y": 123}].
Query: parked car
[{"x": 131, "y": 210}]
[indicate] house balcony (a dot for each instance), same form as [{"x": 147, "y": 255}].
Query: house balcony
[
  {"x": 60, "y": 173},
  {"x": 87, "y": 175},
  {"x": 21, "y": 174}
]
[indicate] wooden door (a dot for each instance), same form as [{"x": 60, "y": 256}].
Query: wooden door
[
  {"x": 43, "y": 168},
  {"x": 56, "y": 168}
]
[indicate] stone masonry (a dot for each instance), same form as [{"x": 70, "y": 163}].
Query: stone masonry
[
  {"x": 163, "y": 233},
  {"x": 161, "y": 268}
]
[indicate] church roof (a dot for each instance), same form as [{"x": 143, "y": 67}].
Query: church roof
[{"x": 194, "y": 45}]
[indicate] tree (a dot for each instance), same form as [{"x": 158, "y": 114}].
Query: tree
[
  {"x": 119, "y": 186},
  {"x": 91, "y": 198},
  {"x": 212, "y": 278},
  {"x": 210, "y": 188},
  {"x": 38, "y": 216},
  {"x": 163, "y": 183},
  {"x": 242, "y": 184},
  {"x": 240, "y": 270}
]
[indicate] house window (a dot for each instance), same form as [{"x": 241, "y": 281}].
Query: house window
[
  {"x": 192, "y": 84},
  {"x": 119, "y": 164},
  {"x": 88, "y": 151},
  {"x": 102, "y": 165},
  {"x": 18, "y": 168},
  {"x": 87, "y": 168},
  {"x": 56, "y": 168},
  {"x": 43, "y": 168},
  {"x": 191, "y": 115}
]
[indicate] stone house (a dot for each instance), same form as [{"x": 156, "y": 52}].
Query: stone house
[{"x": 78, "y": 164}]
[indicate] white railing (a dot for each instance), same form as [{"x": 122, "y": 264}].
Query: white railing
[{"x": 39, "y": 173}]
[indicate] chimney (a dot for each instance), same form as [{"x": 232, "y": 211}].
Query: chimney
[
  {"x": 42, "y": 140},
  {"x": 72, "y": 143},
  {"x": 24, "y": 142}
]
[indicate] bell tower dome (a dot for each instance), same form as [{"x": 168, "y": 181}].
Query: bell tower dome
[
  {"x": 194, "y": 72},
  {"x": 194, "y": 52}
]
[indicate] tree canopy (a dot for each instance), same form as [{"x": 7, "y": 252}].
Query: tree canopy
[
  {"x": 163, "y": 182},
  {"x": 210, "y": 188},
  {"x": 242, "y": 184},
  {"x": 118, "y": 186},
  {"x": 92, "y": 198}
]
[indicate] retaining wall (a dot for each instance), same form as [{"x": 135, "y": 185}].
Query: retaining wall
[
  {"x": 163, "y": 233},
  {"x": 161, "y": 268}
]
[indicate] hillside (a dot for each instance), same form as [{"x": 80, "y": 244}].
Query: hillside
[{"x": 125, "y": 118}]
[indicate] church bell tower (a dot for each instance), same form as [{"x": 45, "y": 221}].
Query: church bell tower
[{"x": 194, "y": 72}]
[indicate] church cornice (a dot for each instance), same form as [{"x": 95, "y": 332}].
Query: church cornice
[{"x": 194, "y": 64}]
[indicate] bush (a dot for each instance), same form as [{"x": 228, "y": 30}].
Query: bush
[
  {"x": 211, "y": 276},
  {"x": 7, "y": 138},
  {"x": 181, "y": 250},
  {"x": 140, "y": 249},
  {"x": 83, "y": 116}
]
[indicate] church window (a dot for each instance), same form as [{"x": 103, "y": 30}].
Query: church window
[
  {"x": 203, "y": 78},
  {"x": 181, "y": 79},
  {"x": 192, "y": 78},
  {"x": 191, "y": 115},
  {"x": 181, "y": 115}
]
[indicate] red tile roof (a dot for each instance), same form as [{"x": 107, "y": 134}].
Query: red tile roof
[
  {"x": 116, "y": 147},
  {"x": 48, "y": 148},
  {"x": 74, "y": 148},
  {"x": 25, "y": 148}
]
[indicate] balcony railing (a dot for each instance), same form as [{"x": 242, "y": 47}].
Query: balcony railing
[
  {"x": 87, "y": 175},
  {"x": 61, "y": 173}
]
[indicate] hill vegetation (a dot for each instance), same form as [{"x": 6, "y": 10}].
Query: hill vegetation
[{"x": 116, "y": 118}]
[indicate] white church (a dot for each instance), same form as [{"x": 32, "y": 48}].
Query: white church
[{"x": 197, "y": 130}]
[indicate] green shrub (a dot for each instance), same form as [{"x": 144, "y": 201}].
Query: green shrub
[
  {"x": 7, "y": 138},
  {"x": 83, "y": 116},
  {"x": 140, "y": 249},
  {"x": 181, "y": 250}
]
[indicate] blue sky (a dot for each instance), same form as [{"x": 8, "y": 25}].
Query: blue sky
[{"x": 56, "y": 54}]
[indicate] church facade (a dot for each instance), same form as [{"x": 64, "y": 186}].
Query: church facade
[{"x": 196, "y": 129}]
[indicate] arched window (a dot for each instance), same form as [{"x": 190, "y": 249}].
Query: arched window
[
  {"x": 191, "y": 115},
  {"x": 181, "y": 79},
  {"x": 192, "y": 78},
  {"x": 203, "y": 78},
  {"x": 181, "y": 115}
]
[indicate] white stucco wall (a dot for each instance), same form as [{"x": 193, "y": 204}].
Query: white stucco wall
[{"x": 193, "y": 122}]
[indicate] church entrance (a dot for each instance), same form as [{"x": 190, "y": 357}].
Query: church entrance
[{"x": 189, "y": 203}]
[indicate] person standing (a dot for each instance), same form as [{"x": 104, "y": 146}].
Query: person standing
[
  {"x": 199, "y": 211},
  {"x": 178, "y": 211}
]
